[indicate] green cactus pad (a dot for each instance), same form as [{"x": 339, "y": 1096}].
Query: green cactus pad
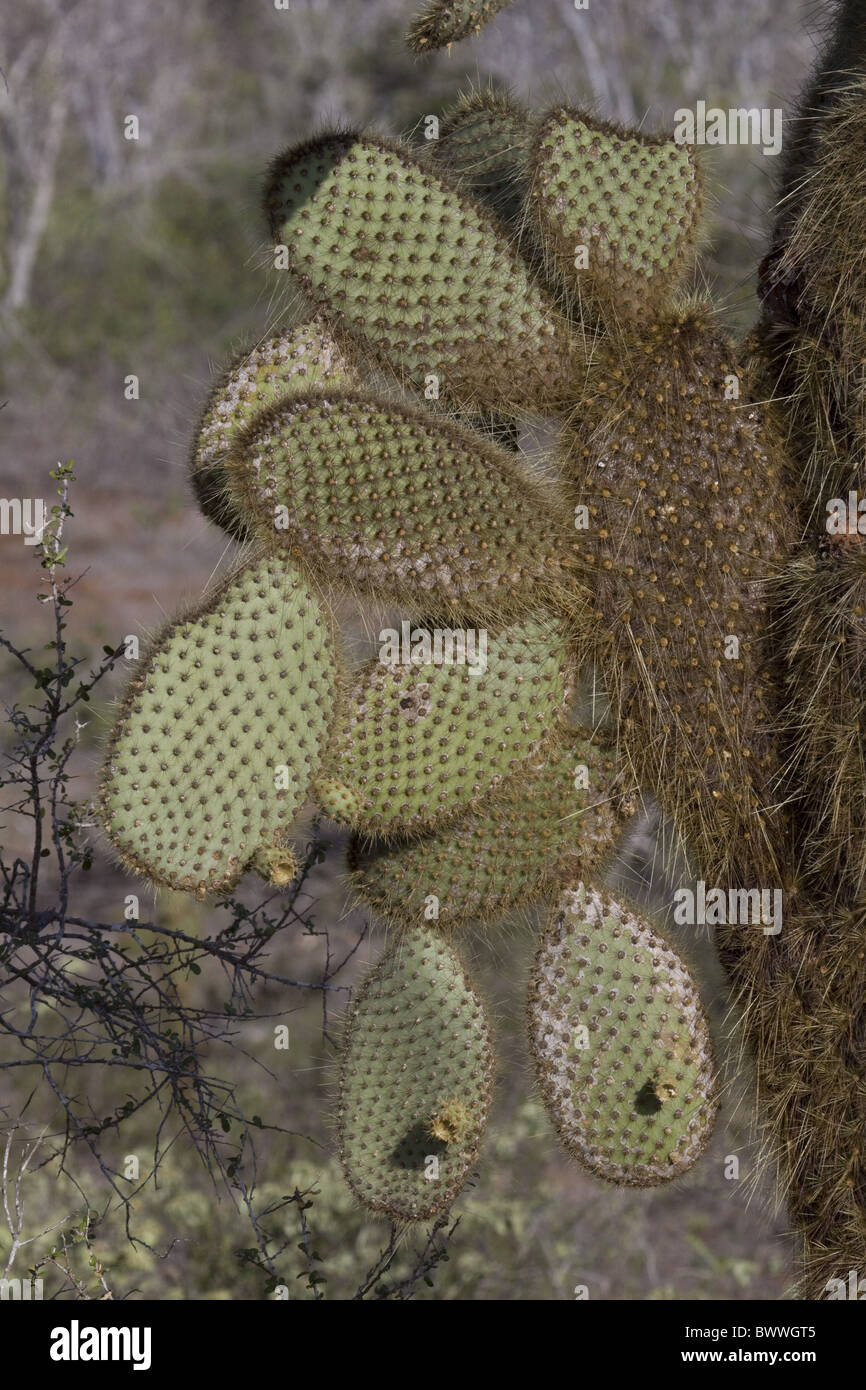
[
  {"x": 516, "y": 848},
  {"x": 484, "y": 141},
  {"x": 416, "y": 1081},
  {"x": 393, "y": 500},
  {"x": 632, "y": 201},
  {"x": 281, "y": 366},
  {"x": 220, "y": 733},
  {"x": 621, "y": 1043},
  {"x": 423, "y": 741},
  {"x": 417, "y": 274},
  {"x": 443, "y": 22}
]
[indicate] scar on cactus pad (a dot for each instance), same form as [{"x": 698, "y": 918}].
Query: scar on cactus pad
[
  {"x": 700, "y": 593},
  {"x": 452, "y": 1122}
]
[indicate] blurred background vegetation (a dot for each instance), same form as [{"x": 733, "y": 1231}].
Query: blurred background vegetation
[{"x": 148, "y": 257}]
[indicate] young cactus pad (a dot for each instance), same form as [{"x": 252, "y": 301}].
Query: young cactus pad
[
  {"x": 621, "y": 1043},
  {"x": 422, "y": 742},
  {"x": 621, "y": 210},
  {"x": 484, "y": 141},
  {"x": 389, "y": 499},
  {"x": 443, "y": 22},
  {"x": 416, "y": 273},
  {"x": 416, "y": 1080},
  {"x": 221, "y": 731},
  {"x": 283, "y": 365},
  {"x": 556, "y": 819}
]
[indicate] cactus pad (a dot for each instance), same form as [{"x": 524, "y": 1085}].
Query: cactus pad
[
  {"x": 443, "y": 22},
  {"x": 621, "y": 1043},
  {"x": 416, "y": 273},
  {"x": 282, "y": 365},
  {"x": 515, "y": 848},
  {"x": 391, "y": 499},
  {"x": 634, "y": 202},
  {"x": 423, "y": 741},
  {"x": 416, "y": 1081},
  {"x": 221, "y": 732},
  {"x": 484, "y": 140}
]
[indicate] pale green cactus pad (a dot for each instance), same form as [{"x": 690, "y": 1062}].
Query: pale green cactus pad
[
  {"x": 421, "y": 742},
  {"x": 621, "y": 1043},
  {"x": 279, "y": 367},
  {"x": 556, "y": 820},
  {"x": 416, "y": 273},
  {"x": 416, "y": 1080},
  {"x": 391, "y": 499},
  {"x": 632, "y": 202},
  {"x": 221, "y": 731}
]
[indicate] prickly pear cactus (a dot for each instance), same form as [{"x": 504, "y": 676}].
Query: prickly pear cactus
[
  {"x": 442, "y": 22},
  {"x": 417, "y": 274},
  {"x": 415, "y": 746},
  {"x": 432, "y": 508},
  {"x": 621, "y": 1043},
  {"x": 281, "y": 367},
  {"x": 220, "y": 734},
  {"x": 624, "y": 208},
  {"x": 538, "y": 265},
  {"x": 416, "y": 1080},
  {"x": 561, "y": 818}
]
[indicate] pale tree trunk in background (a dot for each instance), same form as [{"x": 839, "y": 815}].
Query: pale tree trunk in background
[{"x": 22, "y": 260}]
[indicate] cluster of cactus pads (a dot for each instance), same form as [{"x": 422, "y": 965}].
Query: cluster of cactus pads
[{"x": 520, "y": 267}]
